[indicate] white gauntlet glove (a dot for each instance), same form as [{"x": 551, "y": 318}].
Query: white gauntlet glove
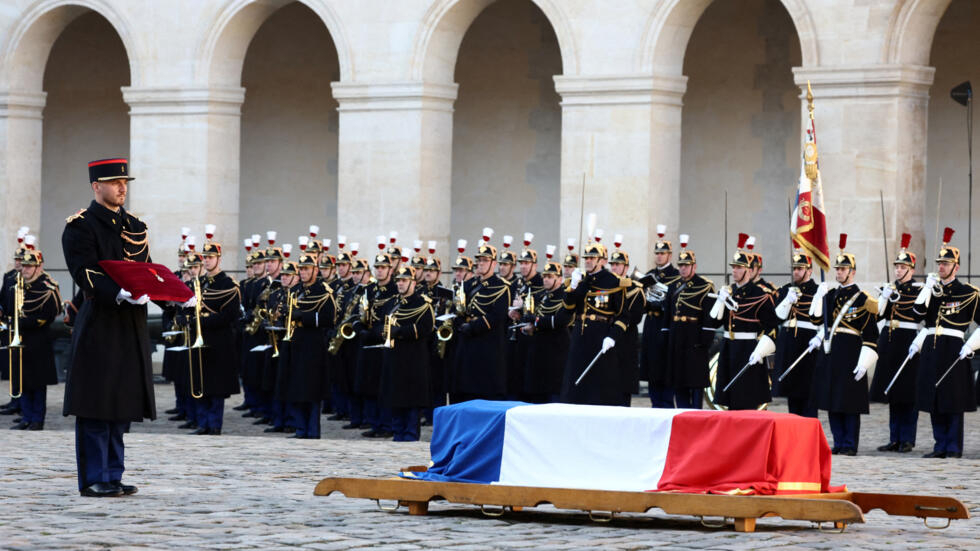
[
  {"x": 971, "y": 345},
  {"x": 191, "y": 302},
  {"x": 719, "y": 308},
  {"x": 866, "y": 361},
  {"x": 607, "y": 343},
  {"x": 917, "y": 343},
  {"x": 816, "y": 307},
  {"x": 576, "y": 278},
  {"x": 925, "y": 295},
  {"x": 763, "y": 348},
  {"x": 128, "y": 297},
  {"x": 816, "y": 340},
  {"x": 784, "y": 307}
]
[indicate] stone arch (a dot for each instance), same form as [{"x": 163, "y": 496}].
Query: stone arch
[
  {"x": 446, "y": 22},
  {"x": 226, "y": 40},
  {"x": 669, "y": 28},
  {"x": 26, "y": 52},
  {"x": 911, "y": 29}
]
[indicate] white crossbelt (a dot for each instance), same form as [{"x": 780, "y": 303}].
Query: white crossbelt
[
  {"x": 945, "y": 332},
  {"x": 898, "y": 325},
  {"x": 800, "y": 325},
  {"x": 846, "y": 330},
  {"x": 741, "y": 336}
]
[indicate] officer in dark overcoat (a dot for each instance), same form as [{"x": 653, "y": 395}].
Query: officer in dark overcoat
[
  {"x": 110, "y": 377},
  {"x": 278, "y": 368},
  {"x": 634, "y": 303},
  {"x": 595, "y": 299},
  {"x": 442, "y": 302},
  {"x": 367, "y": 379},
  {"x": 170, "y": 357},
  {"x": 797, "y": 329},
  {"x": 9, "y": 279},
  {"x": 336, "y": 373},
  {"x": 548, "y": 332},
  {"x": 184, "y": 318},
  {"x": 654, "y": 342},
  {"x": 355, "y": 303},
  {"x": 690, "y": 331},
  {"x": 898, "y": 325},
  {"x": 404, "y": 386},
  {"x": 945, "y": 380},
  {"x": 32, "y": 366},
  {"x": 528, "y": 281},
  {"x": 479, "y": 368}
]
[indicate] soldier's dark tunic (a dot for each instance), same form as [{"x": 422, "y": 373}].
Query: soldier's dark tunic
[
  {"x": 793, "y": 338},
  {"x": 653, "y": 343},
  {"x": 627, "y": 348},
  {"x": 597, "y": 306},
  {"x": 220, "y": 309},
  {"x": 479, "y": 368},
  {"x": 367, "y": 379},
  {"x": 9, "y": 278},
  {"x": 953, "y": 311},
  {"x": 168, "y": 323},
  {"x": 897, "y": 328},
  {"x": 548, "y": 348},
  {"x": 512, "y": 361},
  {"x": 756, "y": 316},
  {"x": 690, "y": 334},
  {"x": 256, "y": 296},
  {"x": 518, "y": 367},
  {"x": 834, "y": 387},
  {"x": 110, "y": 376},
  {"x": 405, "y": 367},
  {"x": 308, "y": 380},
  {"x": 442, "y": 299}
]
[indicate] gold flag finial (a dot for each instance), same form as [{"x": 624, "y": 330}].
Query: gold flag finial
[{"x": 809, "y": 98}]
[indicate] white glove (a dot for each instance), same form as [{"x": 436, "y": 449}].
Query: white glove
[
  {"x": 128, "y": 297},
  {"x": 965, "y": 351},
  {"x": 719, "y": 308},
  {"x": 826, "y": 346},
  {"x": 886, "y": 293},
  {"x": 816, "y": 307},
  {"x": 784, "y": 307},
  {"x": 607, "y": 343},
  {"x": 576, "y": 278},
  {"x": 815, "y": 341},
  {"x": 763, "y": 348},
  {"x": 123, "y": 295},
  {"x": 866, "y": 361},
  {"x": 972, "y": 343},
  {"x": 917, "y": 343},
  {"x": 925, "y": 294},
  {"x": 191, "y": 302}
]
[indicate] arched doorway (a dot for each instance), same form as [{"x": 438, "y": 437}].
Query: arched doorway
[
  {"x": 85, "y": 118},
  {"x": 506, "y": 154},
  {"x": 288, "y": 176},
  {"x": 955, "y": 54},
  {"x": 740, "y": 131}
]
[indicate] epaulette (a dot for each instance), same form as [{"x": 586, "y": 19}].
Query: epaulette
[
  {"x": 51, "y": 284},
  {"x": 708, "y": 281},
  {"x": 625, "y": 282},
  {"x": 870, "y": 303},
  {"x": 75, "y": 216}
]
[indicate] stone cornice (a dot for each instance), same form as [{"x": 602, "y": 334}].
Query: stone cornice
[
  {"x": 394, "y": 96},
  {"x": 16, "y": 104},
  {"x": 184, "y": 101},
  {"x": 621, "y": 90},
  {"x": 867, "y": 81}
]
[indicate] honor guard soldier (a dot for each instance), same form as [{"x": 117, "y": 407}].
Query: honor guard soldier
[
  {"x": 9, "y": 280},
  {"x": 850, "y": 336},
  {"x": 479, "y": 369},
  {"x": 627, "y": 349},
  {"x": 522, "y": 303},
  {"x": 183, "y": 321},
  {"x": 251, "y": 336},
  {"x": 348, "y": 352},
  {"x": 749, "y": 321},
  {"x": 570, "y": 262},
  {"x": 243, "y": 285},
  {"x": 110, "y": 375},
  {"x": 595, "y": 299},
  {"x": 342, "y": 288},
  {"x": 442, "y": 304},
  {"x": 795, "y": 333},
  {"x": 368, "y": 379},
  {"x": 33, "y": 302},
  {"x": 272, "y": 300},
  {"x": 417, "y": 263},
  {"x": 408, "y": 321},
  {"x": 945, "y": 379},
  {"x": 506, "y": 271},
  {"x": 653, "y": 344},
  {"x": 217, "y": 314},
  {"x": 755, "y": 267},
  {"x": 508, "y": 261},
  {"x": 898, "y": 325},
  {"x": 279, "y": 368},
  {"x": 547, "y": 328},
  {"x": 690, "y": 331},
  {"x": 312, "y": 312}
]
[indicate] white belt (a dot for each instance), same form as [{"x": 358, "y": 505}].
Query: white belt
[
  {"x": 800, "y": 325},
  {"x": 846, "y": 330},
  {"x": 741, "y": 336},
  {"x": 897, "y": 325},
  {"x": 945, "y": 332}
]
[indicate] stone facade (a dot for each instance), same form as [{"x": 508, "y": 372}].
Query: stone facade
[{"x": 438, "y": 117}]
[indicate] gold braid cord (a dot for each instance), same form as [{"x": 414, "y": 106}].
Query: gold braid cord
[
  {"x": 480, "y": 301},
  {"x": 223, "y": 298},
  {"x": 692, "y": 296}
]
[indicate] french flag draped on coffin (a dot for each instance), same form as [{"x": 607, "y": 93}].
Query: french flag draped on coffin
[{"x": 628, "y": 449}]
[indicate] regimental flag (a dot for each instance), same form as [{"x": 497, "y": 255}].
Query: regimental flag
[
  {"x": 628, "y": 449},
  {"x": 809, "y": 222}
]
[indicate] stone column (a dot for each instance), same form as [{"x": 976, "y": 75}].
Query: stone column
[
  {"x": 621, "y": 135},
  {"x": 871, "y": 124},
  {"x": 395, "y": 161},
  {"x": 20, "y": 167},
  {"x": 184, "y": 153}
]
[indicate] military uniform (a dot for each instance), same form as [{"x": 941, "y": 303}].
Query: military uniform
[
  {"x": 795, "y": 332},
  {"x": 404, "y": 385},
  {"x": 627, "y": 349},
  {"x": 597, "y": 306},
  {"x": 947, "y": 319},
  {"x": 32, "y": 366},
  {"x": 548, "y": 344},
  {"x": 654, "y": 343},
  {"x": 479, "y": 368},
  {"x": 367, "y": 380},
  {"x": 339, "y": 396},
  {"x": 9, "y": 278},
  {"x": 110, "y": 377},
  {"x": 689, "y": 335},
  {"x": 442, "y": 301},
  {"x": 518, "y": 368}
]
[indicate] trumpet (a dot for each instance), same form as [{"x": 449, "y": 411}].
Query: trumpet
[
  {"x": 729, "y": 301},
  {"x": 15, "y": 339},
  {"x": 386, "y": 334},
  {"x": 289, "y": 318},
  {"x": 365, "y": 306}
]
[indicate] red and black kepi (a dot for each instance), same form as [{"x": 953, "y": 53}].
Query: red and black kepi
[{"x": 105, "y": 170}]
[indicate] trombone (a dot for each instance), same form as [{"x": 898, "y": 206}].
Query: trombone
[
  {"x": 15, "y": 339},
  {"x": 198, "y": 345}
]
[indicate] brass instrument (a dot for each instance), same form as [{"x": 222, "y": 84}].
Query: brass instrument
[
  {"x": 345, "y": 331},
  {"x": 198, "y": 344},
  {"x": 259, "y": 315},
  {"x": 459, "y": 299},
  {"x": 386, "y": 333},
  {"x": 292, "y": 302},
  {"x": 653, "y": 293},
  {"x": 365, "y": 308},
  {"x": 15, "y": 339}
]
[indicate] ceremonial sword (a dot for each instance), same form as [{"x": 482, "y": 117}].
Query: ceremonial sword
[
  {"x": 790, "y": 368},
  {"x": 956, "y": 361},
  {"x": 587, "y": 368},
  {"x": 737, "y": 375},
  {"x": 899, "y": 372}
]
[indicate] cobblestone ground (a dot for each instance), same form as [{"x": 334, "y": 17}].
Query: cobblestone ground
[{"x": 250, "y": 490}]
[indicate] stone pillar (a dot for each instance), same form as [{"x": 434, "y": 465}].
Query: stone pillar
[
  {"x": 395, "y": 161},
  {"x": 622, "y": 136},
  {"x": 871, "y": 124},
  {"x": 20, "y": 168},
  {"x": 184, "y": 153}
]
